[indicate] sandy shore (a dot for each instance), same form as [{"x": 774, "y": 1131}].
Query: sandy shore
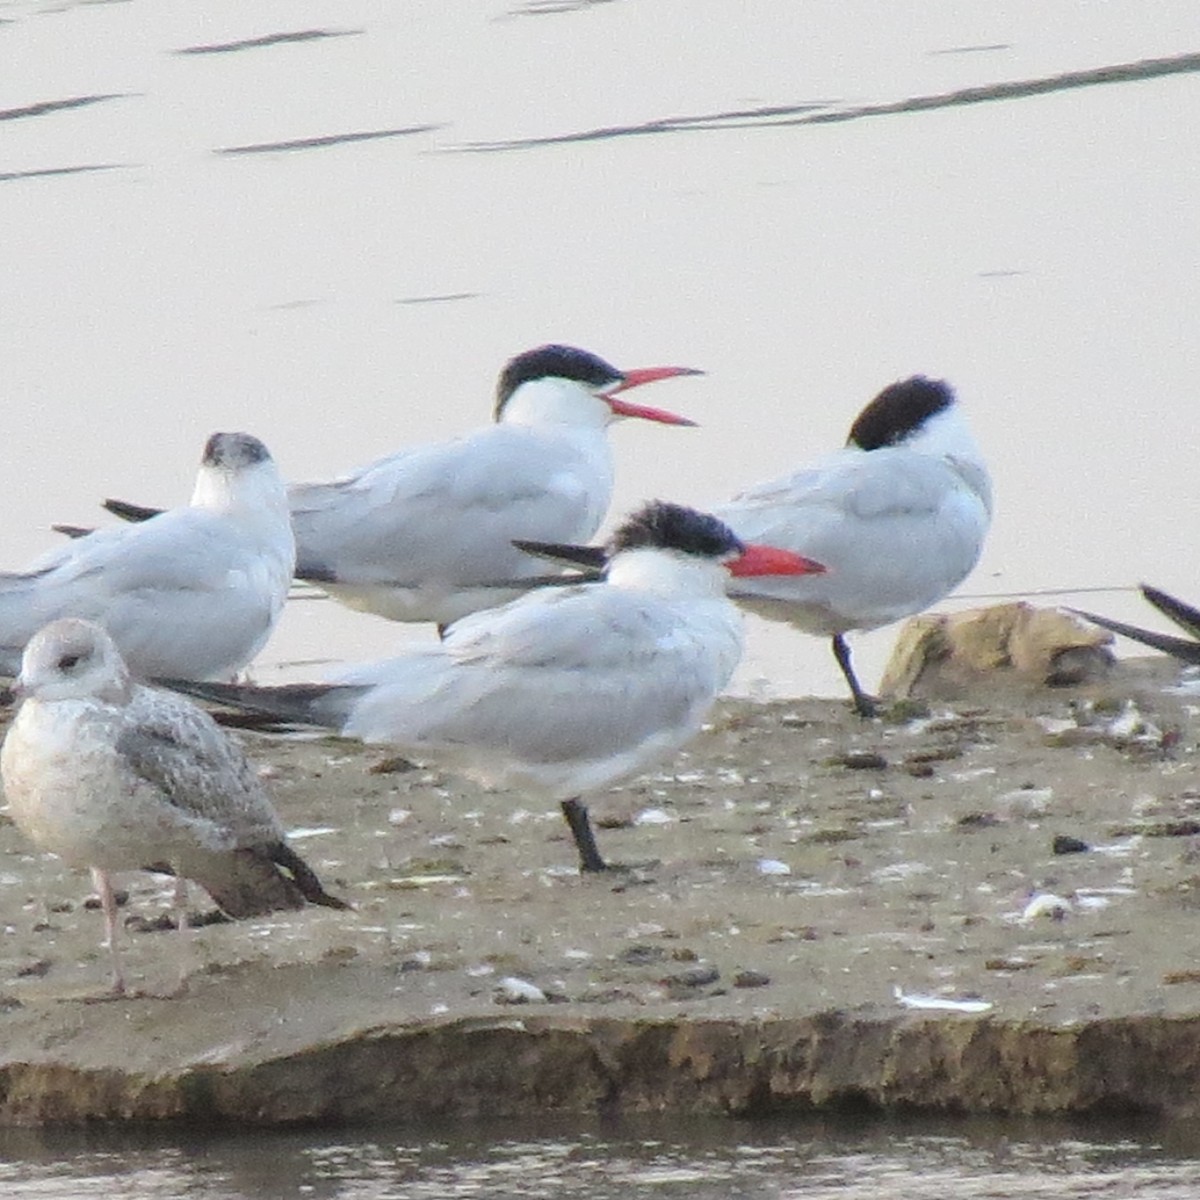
[{"x": 793, "y": 865}]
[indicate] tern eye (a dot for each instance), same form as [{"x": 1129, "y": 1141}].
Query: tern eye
[{"x": 69, "y": 661}]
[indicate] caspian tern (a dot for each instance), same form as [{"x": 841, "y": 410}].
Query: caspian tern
[
  {"x": 1184, "y": 615},
  {"x": 108, "y": 774},
  {"x": 898, "y": 516},
  {"x": 194, "y": 592},
  {"x": 426, "y": 534},
  {"x": 564, "y": 690}
]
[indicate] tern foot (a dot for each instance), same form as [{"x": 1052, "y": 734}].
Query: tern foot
[
  {"x": 866, "y": 706},
  {"x": 612, "y": 868}
]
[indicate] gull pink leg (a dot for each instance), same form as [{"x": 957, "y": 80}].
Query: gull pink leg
[
  {"x": 108, "y": 904},
  {"x": 181, "y": 921}
]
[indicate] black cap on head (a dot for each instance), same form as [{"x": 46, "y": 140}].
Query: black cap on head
[
  {"x": 899, "y": 411},
  {"x": 234, "y": 450},
  {"x": 553, "y": 362},
  {"x": 674, "y": 527}
]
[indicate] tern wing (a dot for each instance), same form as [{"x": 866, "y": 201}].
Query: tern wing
[
  {"x": 155, "y": 588},
  {"x": 448, "y": 512},
  {"x": 897, "y": 531}
]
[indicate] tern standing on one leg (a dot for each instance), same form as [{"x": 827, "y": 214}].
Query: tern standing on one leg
[
  {"x": 108, "y": 774},
  {"x": 565, "y": 690},
  {"x": 193, "y": 592},
  {"x": 898, "y": 516}
]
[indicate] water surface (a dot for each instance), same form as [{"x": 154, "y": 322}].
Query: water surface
[
  {"x": 281, "y": 217},
  {"x": 847, "y": 1158}
]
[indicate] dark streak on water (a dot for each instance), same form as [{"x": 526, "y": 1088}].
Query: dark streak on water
[
  {"x": 989, "y": 48},
  {"x": 42, "y": 107},
  {"x": 330, "y": 139},
  {"x": 737, "y": 118},
  {"x": 539, "y": 8},
  {"x": 46, "y": 172},
  {"x": 441, "y": 299},
  {"x": 288, "y": 305},
  {"x": 1149, "y": 68},
  {"x": 270, "y": 39}
]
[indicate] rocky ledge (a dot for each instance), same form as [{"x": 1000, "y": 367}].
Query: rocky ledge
[{"x": 512, "y": 1066}]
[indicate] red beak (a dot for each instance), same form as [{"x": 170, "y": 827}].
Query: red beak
[
  {"x": 770, "y": 560},
  {"x": 635, "y": 378}
]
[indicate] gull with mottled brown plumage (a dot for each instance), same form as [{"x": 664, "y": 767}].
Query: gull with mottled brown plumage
[{"x": 107, "y": 773}]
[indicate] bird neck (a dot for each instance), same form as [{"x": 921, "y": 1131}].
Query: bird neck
[
  {"x": 668, "y": 574},
  {"x": 947, "y": 436},
  {"x": 556, "y": 402},
  {"x": 257, "y": 489}
]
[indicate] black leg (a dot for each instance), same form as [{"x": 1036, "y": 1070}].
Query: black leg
[
  {"x": 864, "y": 705},
  {"x": 442, "y": 631},
  {"x": 585, "y": 840}
]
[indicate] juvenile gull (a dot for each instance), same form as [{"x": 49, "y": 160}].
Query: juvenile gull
[
  {"x": 194, "y": 592},
  {"x": 109, "y": 774},
  {"x": 562, "y": 691},
  {"x": 425, "y": 534},
  {"x": 898, "y": 516}
]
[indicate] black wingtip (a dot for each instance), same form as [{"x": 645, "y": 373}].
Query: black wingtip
[
  {"x": 1184, "y": 615},
  {"x": 310, "y": 572},
  {"x": 592, "y": 558},
  {"x": 1180, "y": 648},
  {"x": 310, "y": 704},
  {"x": 306, "y": 878},
  {"x": 130, "y": 512}
]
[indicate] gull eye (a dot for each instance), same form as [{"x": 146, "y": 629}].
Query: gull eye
[{"x": 68, "y": 661}]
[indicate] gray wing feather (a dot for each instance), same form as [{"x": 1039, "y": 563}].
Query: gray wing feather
[
  {"x": 531, "y": 686},
  {"x": 392, "y": 522},
  {"x": 178, "y": 749}
]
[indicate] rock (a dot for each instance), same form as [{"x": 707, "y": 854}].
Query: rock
[
  {"x": 393, "y": 765},
  {"x": 1065, "y": 844},
  {"x": 751, "y": 979},
  {"x": 858, "y": 760},
  {"x": 640, "y": 955},
  {"x": 937, "y": 654},
  {"x": 694, "y": 977}
]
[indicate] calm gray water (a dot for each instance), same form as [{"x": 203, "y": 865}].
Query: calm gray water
[
  {"x": 700, "y": 1160},
  {"x": 330, "y": 221}
]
